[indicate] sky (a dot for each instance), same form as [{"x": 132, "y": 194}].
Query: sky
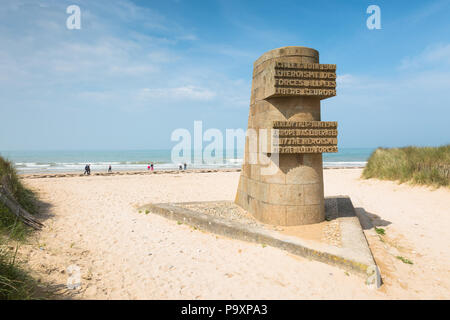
[{"x": 137, "y": 70}]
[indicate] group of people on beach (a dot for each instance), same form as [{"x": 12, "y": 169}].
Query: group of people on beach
[
  {"x": 87, "y": 169},
  {"x": 150, "y": 167},
  {"x": 182, "y": 166}
]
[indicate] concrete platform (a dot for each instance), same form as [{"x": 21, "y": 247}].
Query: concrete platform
[{"x": 339, "y": 241}]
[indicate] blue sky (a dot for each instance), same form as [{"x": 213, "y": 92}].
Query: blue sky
[{"x": 137, "y": 70}]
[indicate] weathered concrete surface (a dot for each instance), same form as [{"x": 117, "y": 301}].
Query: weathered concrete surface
[
  {"x": 354, "y": 255},
  {"x": 288, "y": 84}
]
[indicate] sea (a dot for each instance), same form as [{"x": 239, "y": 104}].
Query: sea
[{"x": 135, "y": 160}]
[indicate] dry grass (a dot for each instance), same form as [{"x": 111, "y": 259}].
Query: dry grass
[
  {"x": 426, "y": 166},
  {"x": 15, "y": 283}
]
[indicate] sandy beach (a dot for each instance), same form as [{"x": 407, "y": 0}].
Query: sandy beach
[{"x": 92, "y": 222}]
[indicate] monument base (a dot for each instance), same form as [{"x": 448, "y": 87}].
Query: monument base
[{"x": 339, "y": 240}]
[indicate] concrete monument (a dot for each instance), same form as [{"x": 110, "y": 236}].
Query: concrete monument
[{"x": 288, "y": 84}]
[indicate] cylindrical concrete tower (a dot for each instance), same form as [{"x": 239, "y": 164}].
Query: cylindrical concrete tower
[{"x": 288, "y": 84}]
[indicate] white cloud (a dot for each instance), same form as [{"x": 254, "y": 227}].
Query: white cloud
[
  {"x": 345, "y": 80},
  {"x": 188, "y": 37},
  {"x": 180, "y": 93},
  {"x": 420, "y": 86},
  {"x": 433, "y": 56},
  {"x": 359, "y": 82},
  {"x": 106, "y": 64},
  {"x": 162, "y": 56}
]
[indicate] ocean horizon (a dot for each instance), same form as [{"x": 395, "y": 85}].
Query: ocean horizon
[{"x": 134, "y": 160}]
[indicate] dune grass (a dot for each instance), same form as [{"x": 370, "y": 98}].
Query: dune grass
[
  {"x": 15, "y": 283},
  {"x": 25, "y": 197},
  {"x": 417, "y": 165}
]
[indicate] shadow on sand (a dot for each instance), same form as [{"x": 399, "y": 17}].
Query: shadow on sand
[
  {"x": 370, "y": 220},
  {"x": 367, "y": 220}
]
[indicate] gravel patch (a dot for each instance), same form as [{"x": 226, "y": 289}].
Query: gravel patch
[{"x": 329, "y": 229}]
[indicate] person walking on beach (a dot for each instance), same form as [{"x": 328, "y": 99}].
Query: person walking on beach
[
  {"x": 148, "y": 167},
  {"x": 151, "y": 166},
  {"x": 86, "y": 170},
  {"x": 109, "y": 169},
  {"x": 89, "y": 169},
  {"x": 185, "y": 166}
]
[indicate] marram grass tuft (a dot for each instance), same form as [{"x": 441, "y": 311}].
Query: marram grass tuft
[
  {"x": 417, "y": 165},
  {"x": 15, "y": 283}
]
